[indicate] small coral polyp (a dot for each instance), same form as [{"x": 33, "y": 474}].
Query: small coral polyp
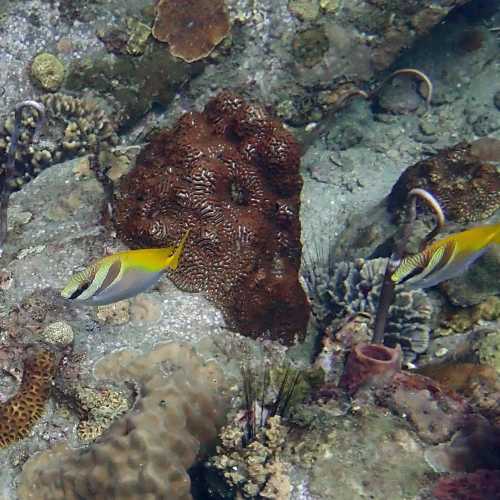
[
  {"x": 19, "y": 414},
  {"x": 231, "y": 176}
]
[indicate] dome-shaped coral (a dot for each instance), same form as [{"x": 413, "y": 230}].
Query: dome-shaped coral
[{"x": 231, "y": 176}]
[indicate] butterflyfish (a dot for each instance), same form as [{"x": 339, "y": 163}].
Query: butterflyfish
[
  {"x": 447, "y": 257},
  {"x": 122, "y": 275}
]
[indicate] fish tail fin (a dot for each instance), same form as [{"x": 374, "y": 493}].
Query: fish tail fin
[{"x": 173, "y": 260}]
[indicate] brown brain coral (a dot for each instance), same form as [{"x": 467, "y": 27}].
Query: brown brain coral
[
  {"x": 192, "y": 28},
  {"x": 231, "y": 175},
  {"x": 19, "y": 414},
  {"x": 465, "y": 185},
  {"x": 146, "y": 453}
]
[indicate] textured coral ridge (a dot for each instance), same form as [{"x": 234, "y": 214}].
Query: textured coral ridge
[
  {"x": 467, "y": 187},
  {"x": 144, "y": 455},
  {"x": 20, "y": 413},
  {"x": 231, "y": 175}
]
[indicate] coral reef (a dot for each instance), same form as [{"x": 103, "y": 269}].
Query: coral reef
[
  {"x": 134, "y": 83},
  {"x": 473, "y": 447},
  {"x": 59, "y": 333},
  {"x": 435, "y": 411},
  {"x": 75, "y": 127},
  {"x": 368, "y": 362},
  {"x": 48, "y": 71},
  {"x": 354, "y": 287},
  {"x": 192, "y": 28},
  {"x": 256, "y": 470},
  {"x": 488, "y": 350},
  {"x": 466, "y": 186},
  {"x": 479, "y": 485},
  {"x": 19, "y": 414},
  {"x": 97, "y": 408},
  {"x": 145, "y": 453},
  {"x": 231, "y": 175}
]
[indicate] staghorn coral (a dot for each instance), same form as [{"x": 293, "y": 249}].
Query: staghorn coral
[
  {"x": 192, "y": 28},
  {"x": 231, "y": 175},
  {"x": 354, "y": 287},
  {"x": 145, "y": 453},
  {"x": 466, "y": 186},
  {"x": 75, "y": 127},
  {"x": 19, "y": 414}
]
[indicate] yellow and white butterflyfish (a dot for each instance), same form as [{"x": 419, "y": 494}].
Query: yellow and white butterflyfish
[
  {"x": 122, "y": 275},
  {"x": 447, "y": 257}
]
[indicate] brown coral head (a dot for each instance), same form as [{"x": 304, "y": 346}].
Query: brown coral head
[
  {"x": 368, "y": 362},
  {"x": 465, "y": 185},
  {"x": 192, "y": 28},
  {"x": 230, "y": 175}
]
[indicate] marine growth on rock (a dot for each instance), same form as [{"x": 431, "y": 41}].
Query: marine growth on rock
[
  {"x": 231, "y": 176},
  {"x": 19, "y": 414},
  {"x": 74, "y": 127},
  {"x": 145, "y": 454},
  {"x": 354, "y": 287},
  {"x": 192, "y": 28},
  {"x": 460, "y": 178}
]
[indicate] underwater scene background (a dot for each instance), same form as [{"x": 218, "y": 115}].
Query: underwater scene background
[{"x": 249, "y": 249}]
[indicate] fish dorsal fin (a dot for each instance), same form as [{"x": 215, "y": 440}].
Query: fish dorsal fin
[
  {"x": 106, "y": 274},
  {"x": 173, "y": 260}
]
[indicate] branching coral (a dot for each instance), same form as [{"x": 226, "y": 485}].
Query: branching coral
[
  {"x": 77, "y": 126},
  {"x": 231, "y": 175},
  {"x": 145, "y": 453},
  {"x": 19, "y": 414}
]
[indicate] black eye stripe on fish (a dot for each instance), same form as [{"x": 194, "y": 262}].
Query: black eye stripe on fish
[{"x": 79, "y": 290}]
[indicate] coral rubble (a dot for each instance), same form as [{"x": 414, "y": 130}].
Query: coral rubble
[
  {"x": 192, "y": 28},
  {"x": 466, "y": 186},
  {"x": 146, "y": 452},
  {"x": 231, "y": 175},
  {"x": 22, "y": 411}
]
